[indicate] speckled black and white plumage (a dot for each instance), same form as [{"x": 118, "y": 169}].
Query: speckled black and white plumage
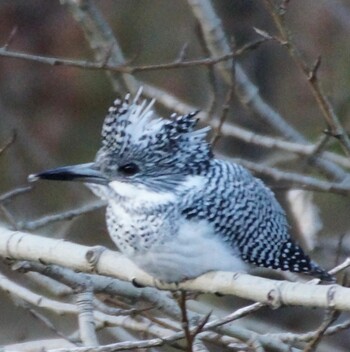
[{"x": 178, "y": 212}]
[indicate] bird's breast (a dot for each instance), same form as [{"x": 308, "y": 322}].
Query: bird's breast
[{"x": 137, "y": 229}]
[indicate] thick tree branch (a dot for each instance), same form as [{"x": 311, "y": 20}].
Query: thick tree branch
[{"x": 20, "y": 245}]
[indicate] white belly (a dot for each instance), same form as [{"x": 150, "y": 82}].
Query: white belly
[
  {"x": 163, "y": 243},
  {"x": 195, "y": 251}
]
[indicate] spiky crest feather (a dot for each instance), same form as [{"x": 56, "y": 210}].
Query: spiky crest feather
[{"x": 132, "y": 131}]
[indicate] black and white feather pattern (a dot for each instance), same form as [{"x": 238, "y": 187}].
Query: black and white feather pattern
[
  {"x": 184, "y": 201},
  {"x": 247, "y": 217}
]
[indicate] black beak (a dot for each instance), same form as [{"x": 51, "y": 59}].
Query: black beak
[{"x": 81, "y": 172}]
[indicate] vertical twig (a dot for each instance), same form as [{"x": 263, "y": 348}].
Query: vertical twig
[
  {"x": 246, "y": 91},
  {"x": 334, "y": 126},
  {"x": 185, "y": 321},
  {"x": 9, "y": 142},
  {"x": 84, "y": 301},
  {"x": 330, "y": 317},
  {"x": 102, "y": 40},
  {"x": 222, "y": 119}
]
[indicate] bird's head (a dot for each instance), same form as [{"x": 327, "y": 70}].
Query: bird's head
[{"x": 141, "y": 148}]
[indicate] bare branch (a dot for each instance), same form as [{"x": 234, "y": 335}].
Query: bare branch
[
  {"x": 14, "y": 193},
  {"x": 185, "y": 322},
  {"x": 304, "y": 149},
  {"x": 330, "y": 317},
  {"x": 340, "y": 267},
  {"x": 164, "y": 340},
  {"x": 296, "y": 180},
  {"x": 11, "y": 37},
  {"x": 19, "y": 245},
  {"x": 9, "y": 142},
  {"x": 64, "y": 216},
  {"x": 84, "y": 302},
  {"x": 225, "y": 109},
  {"x": 129, "y": 69},
  {"x": 100, "y": 37},
  {"x": 332, "y": 120},
  {"x": 107, "y": 285},
  {"x": 247, "y": 92},
  {"x": 49, "y": 325}
]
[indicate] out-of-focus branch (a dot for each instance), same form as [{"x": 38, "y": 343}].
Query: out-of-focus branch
[
  {"x": 103, "y": 284},
  {"x": 140, "y": 324},
  {"x": 309, "y": 336},
  {"x": 160, "y": 300},
  {"x": 330, "y": 317},
  {"x": 126, "y": 68},
  {"x": 218, "y": 130},
  {"x": 67, "y": 215},
  {"x": 167, "y": 339},
  {"x": 247, "y": 92},
  {"x": 35, "y": 299},
  {"x": 14, "y": 193},
  {"x": 342, "y": 266},
  {"x": 99, "y": 35},
  {"x": 303, "y": 149},
  {"x": 242, "y": 81},
  {"x": 293, "y": 179},
  {"x": 44, "y": 320},
  {"x": 332, "y": 120},
  {"x": 8, "y": 143},
  {"x": 33, "y": 346}
]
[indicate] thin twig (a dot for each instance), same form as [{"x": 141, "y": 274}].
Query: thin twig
[
  {"x": 107, "y": 285},
  {"x": 185, "y": 322},
  {"x": 101, "y": 306},
  {"x": 330, "y": 316},
  {"x": 333, "y": 123},
  {"x": 294, "y": 179},
  {"x": 9, "y": 217},
  {"x": 165, "y": 340},
  {"x": 64, "y": 216},
  {"x": 339, "y": 248},
  {"x": 11, "y": 37},
  {"x": 304, "y": 149},
  {"x": 222, "y": 119},
  {"x": 9, "y": 142},
  {"x": 309, "y": 336},
  {"x": 48, "y": 324},
  {"x": 14, "y": 193},
  {"x": 342, "y": 266},
  {"x": 247, "y": 92},
  {"x": 129, "y": 69}
]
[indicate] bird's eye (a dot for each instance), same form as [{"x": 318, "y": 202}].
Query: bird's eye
[{"x": 129, "y": 169}]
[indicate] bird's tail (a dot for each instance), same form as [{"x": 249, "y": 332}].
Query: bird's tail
[
  {"x": 292, "y": 258},
  {"x": 320, "y": 273}
]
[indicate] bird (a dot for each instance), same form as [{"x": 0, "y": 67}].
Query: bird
[{"x": 176, "y": 210}]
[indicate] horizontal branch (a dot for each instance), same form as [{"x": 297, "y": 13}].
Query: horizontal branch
[
  {"x": 129, "y": 69},
  {"x": 67, "y": 215},
  {"x": 21, "y": 245},
  {"x": 304, "y": 149},
  {"x": 295, "y": 179}
]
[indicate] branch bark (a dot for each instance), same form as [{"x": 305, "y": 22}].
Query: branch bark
[{"x": 21, "y": 245}]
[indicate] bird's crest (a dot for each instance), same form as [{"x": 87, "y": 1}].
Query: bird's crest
[{"x": 133, "y": 130}]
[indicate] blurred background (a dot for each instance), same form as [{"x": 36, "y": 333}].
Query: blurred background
[{"x": 56, "y": 112}]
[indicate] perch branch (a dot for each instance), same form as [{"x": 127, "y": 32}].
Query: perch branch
[{"x": 20, "y": 245}]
